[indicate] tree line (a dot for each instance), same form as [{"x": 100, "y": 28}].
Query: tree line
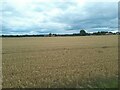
[{"x": 81, "y": 33}]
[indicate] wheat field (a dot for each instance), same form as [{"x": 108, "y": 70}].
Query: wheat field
[{"x": 60, "y": 62}]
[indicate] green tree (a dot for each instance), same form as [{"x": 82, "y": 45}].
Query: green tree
[
  {"x": 83, "y": 32},
  {"x": 50, "y": 34}
]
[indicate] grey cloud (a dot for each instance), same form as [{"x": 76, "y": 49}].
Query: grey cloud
[{"x": 69, "y": 17}]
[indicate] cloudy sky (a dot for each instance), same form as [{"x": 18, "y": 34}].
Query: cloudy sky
[{"x": 57, "y": 16}]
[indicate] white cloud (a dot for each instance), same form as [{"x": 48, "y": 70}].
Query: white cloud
[{"x": 62, "y": 16}]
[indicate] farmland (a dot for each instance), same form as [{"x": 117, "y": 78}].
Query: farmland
[
  {"x": 60, "y": 62},
  {"x": 0, "y": 63}
]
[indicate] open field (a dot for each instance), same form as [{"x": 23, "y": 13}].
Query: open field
[
  {"x": 90, "y": 61},
  {"x": 0, "y": 63}
]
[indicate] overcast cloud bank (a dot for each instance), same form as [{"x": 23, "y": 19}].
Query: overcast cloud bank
[{"x": 36, "y": 17}]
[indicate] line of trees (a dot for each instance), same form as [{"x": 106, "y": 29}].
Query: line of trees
[
  {"x": 84, "y": 33},
  {"x": 81, "y": 33}
]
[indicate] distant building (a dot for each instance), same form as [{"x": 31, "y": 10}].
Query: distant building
[
  {"x": 118, "y": 33},
  {"x": 109, "y": 33}
]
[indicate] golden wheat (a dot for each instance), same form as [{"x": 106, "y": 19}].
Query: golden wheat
[{"x": 59, "y": 61}]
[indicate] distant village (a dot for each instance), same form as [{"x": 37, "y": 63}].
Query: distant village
[{"x": 81, "y": 33}]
